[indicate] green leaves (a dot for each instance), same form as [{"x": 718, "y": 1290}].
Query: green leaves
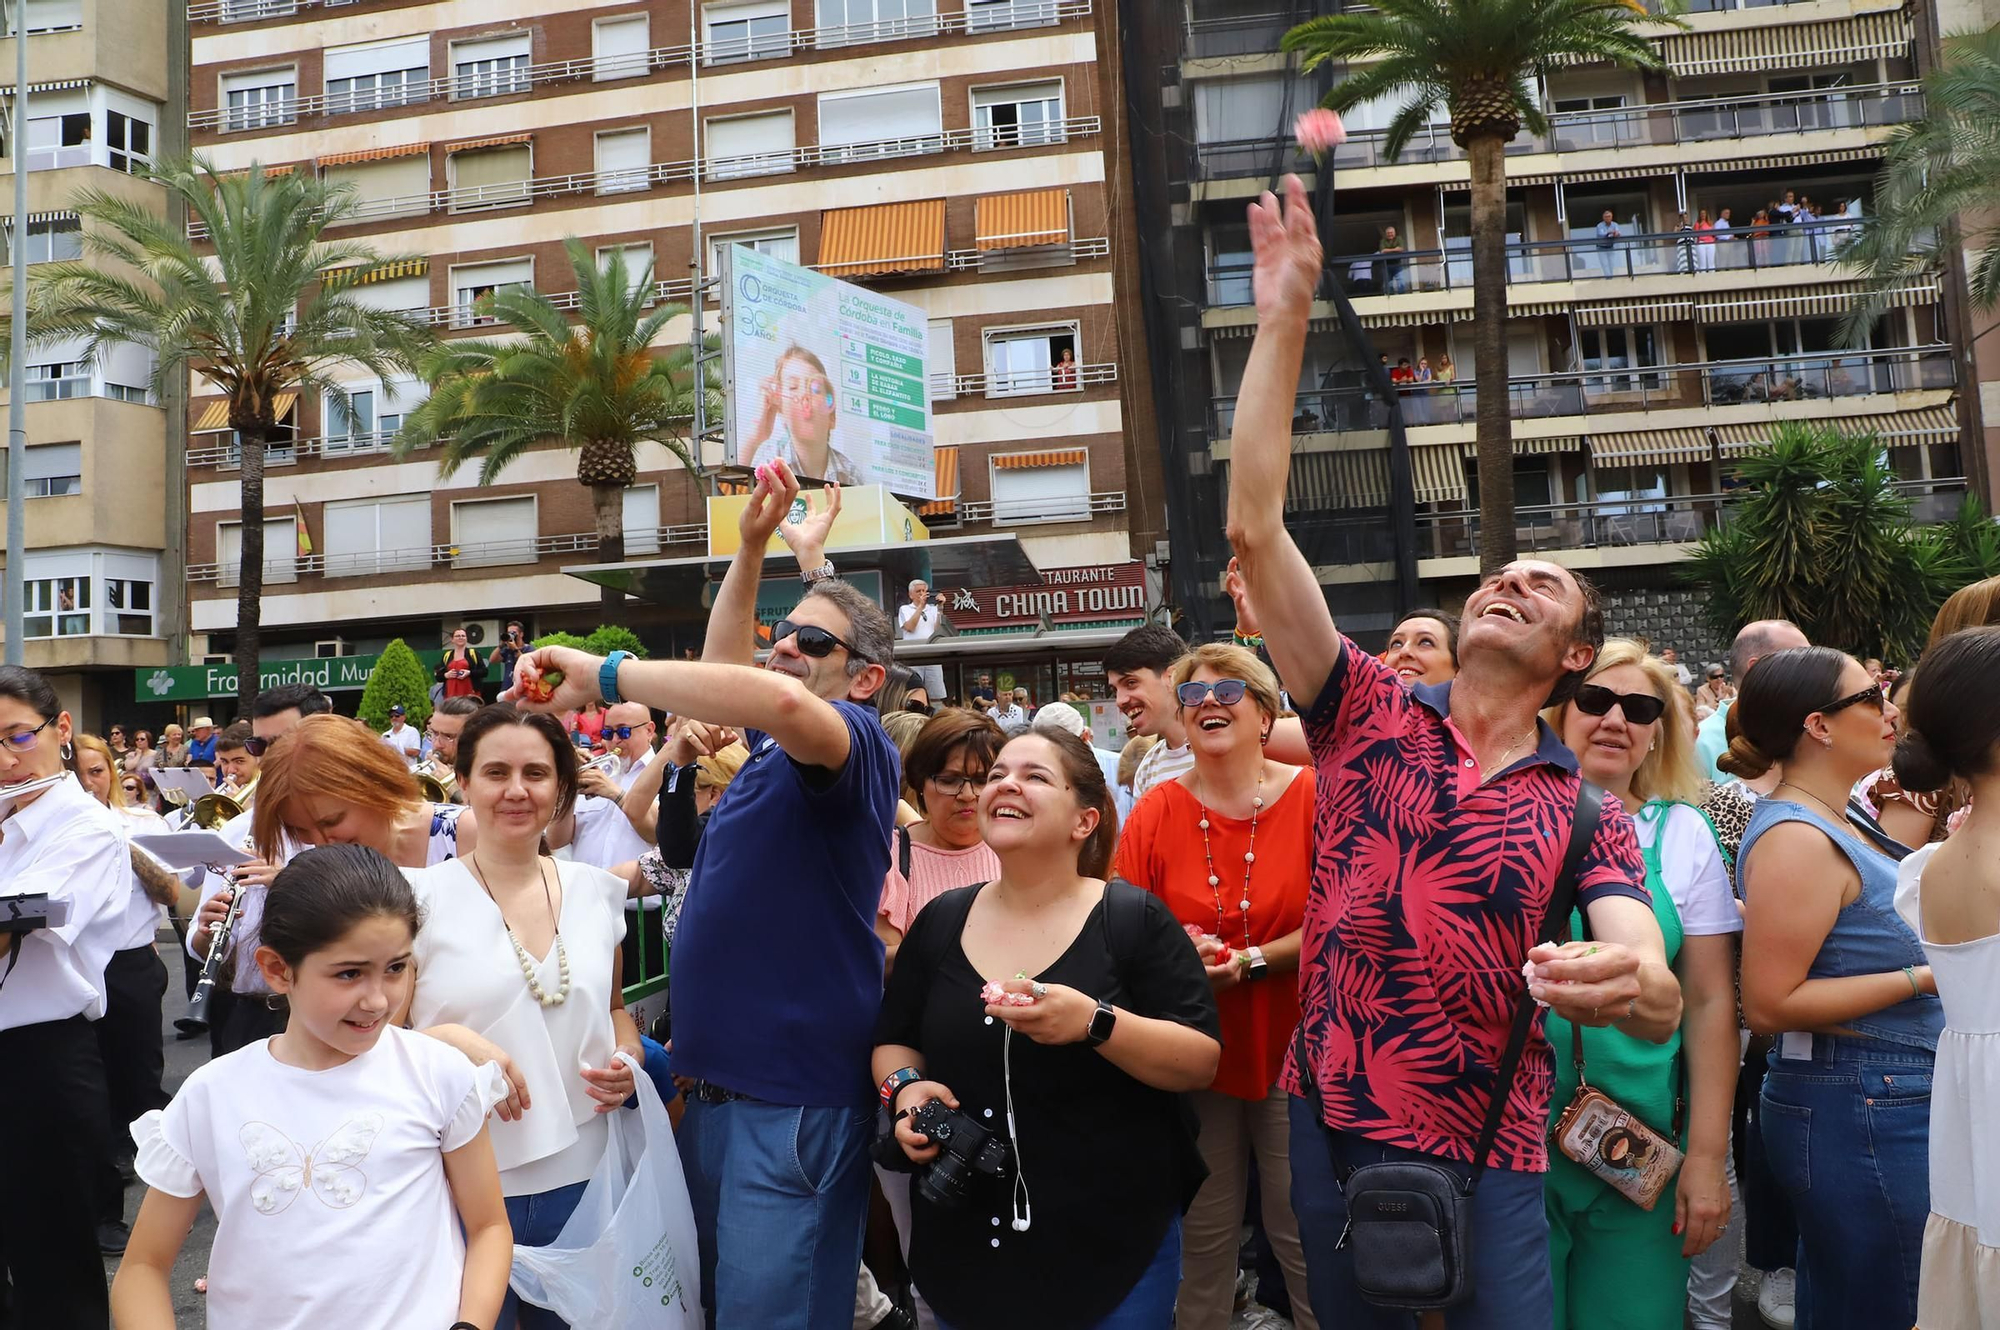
[{"x": 399, "y": 676}]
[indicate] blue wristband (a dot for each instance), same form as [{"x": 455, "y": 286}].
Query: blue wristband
[{"x": 607, "y": 676}]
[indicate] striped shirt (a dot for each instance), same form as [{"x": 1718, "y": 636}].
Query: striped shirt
[{"x": 1160, "y": 765}]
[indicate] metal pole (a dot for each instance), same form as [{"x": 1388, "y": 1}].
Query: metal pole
[
  {"x": 17, "y": 391},
  {"x": 698, "y": 335}
]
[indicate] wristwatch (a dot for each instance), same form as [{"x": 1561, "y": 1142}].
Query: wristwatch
[
  {"x": 1101, "y": 1022},
  {"x": 1256, "y": 967},
  {"x": 823, "y": 573},
  {"x": 607, "y": 676}
]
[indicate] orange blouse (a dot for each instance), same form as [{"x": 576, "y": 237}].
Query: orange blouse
[{"x": 1160, "y": 849}]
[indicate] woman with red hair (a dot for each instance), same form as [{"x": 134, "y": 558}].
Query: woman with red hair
[{"x": 330, "y": 781}]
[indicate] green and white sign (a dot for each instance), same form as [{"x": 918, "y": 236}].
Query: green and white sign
[
  {"x": 198, "y": 683},
  {"x": 827, "y": 375}
]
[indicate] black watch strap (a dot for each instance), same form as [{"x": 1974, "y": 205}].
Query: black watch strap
[{"x": 1100, "y": 1024}]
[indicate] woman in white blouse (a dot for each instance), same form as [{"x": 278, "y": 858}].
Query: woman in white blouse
[{"x": 520, "y": 964}]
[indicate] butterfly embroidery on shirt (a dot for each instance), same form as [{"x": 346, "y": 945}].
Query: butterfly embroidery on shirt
[{"x": 331, "y": 1170}]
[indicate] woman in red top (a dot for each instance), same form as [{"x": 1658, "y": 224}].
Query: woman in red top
[
  {"x": 1190, "y": 842},
  {"x": 460, "y": 670}
]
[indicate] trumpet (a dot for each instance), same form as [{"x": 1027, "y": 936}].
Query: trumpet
[
  {"x": 608, "y": 764},
  {"x": 437, "y": 783}
]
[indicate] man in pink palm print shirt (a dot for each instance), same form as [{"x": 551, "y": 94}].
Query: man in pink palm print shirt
[{"x": 1443, "y": 815}]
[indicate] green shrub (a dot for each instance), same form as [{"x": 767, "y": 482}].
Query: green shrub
[
  {"x": 399, "y": 676},
  {"x": 558, "y": 640},
  {"x": 612, "y": 637}
]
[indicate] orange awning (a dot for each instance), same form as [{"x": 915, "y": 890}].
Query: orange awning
[
  {"x": 213, "y": 417},
  {"x": 882, "y": 238},
  {"x": 1022, "y": 461},
  {"x": 269, "y": 171},
  {"x": 947, "y": 484},
  {"x": 374, "y": 154},
  {"x": 1014, "y": 221},
  {"x": 500, "y": 141}
]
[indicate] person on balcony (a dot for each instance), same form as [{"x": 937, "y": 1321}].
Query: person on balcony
[
  {"x": 1704, "y": 242},
  {"x": 1608, "y": 236},
  {"x": 1395, "y": 272}
]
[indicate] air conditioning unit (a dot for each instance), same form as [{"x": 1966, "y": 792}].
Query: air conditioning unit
[
  {"x": 212, "y": 659},
  {"x": 331, "y": 648},
  {"x": 478, "y": 632}
]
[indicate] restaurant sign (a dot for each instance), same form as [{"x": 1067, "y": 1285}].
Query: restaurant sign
[
  {"x": 1064, "y": 595},
  {"x": 198, "y": 683}
]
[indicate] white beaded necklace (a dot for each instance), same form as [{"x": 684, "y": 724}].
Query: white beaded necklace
[
  {"x": 1249, "y": 856},
  {"x": 541, "y": 995}
]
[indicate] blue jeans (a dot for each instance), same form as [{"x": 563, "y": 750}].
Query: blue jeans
[
  {"x": 537, "y": 1220},
  {"x": 1847, "y": 1133},
  {"x": 780, "y": 1200},
  {"x": 1510, "y": 1238},
  {"x": 1150, "y": 1304}
]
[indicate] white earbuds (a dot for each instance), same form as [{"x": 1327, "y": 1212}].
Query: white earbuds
[{"x": 1020, "y": 1226}]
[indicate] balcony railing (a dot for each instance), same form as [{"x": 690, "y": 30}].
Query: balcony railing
[
  {"x": 1020, "y": 383},
  {"x": 1620, "y": 388},
  {"x": 1695, "y": 120},
  {"x": 490, "y": 554},
  {"x": 1075, "y": 508}
]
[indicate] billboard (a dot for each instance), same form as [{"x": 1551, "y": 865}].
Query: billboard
[{"x": 828, "y": 375}]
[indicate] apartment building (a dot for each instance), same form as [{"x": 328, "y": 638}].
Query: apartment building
[
  {"x": 1643, "y": 358},
  {"x": 956, "y": 154},
  {"x": 103, "y": 494}
]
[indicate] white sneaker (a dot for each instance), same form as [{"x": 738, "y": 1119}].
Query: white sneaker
[{"x": 1774, "y": 1299}]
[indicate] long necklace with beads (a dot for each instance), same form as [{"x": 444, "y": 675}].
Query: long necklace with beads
[
  {"x": 540, "y": 994},
  {"x": 1249, "y": 856}
]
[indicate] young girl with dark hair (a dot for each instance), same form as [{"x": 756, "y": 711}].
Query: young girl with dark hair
[
  {"x": 346, "y": 1159},
  {"x": 1064, "y": 1015}
]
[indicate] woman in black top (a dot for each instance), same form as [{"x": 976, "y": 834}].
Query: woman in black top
[{"x": 1081, "y": 1085}]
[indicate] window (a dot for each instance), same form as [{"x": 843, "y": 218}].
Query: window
[
  {"x": 52, "y": 239},
  {"x": 281, "y": 551},
  {"x": 620, "y": 48},
  {"x": 368, "y": 422},
  {"x": 407, "y": 294},
  {"x": 842, "y": 21},
  {"x": 942, "y": 358},
  {"x": 880, "y": 122},
  {"x": 128, "y": 606},
  {"x": 58, "y": 381},
  {"x": 1579, "y": 128},
  {"x": 748, "y": 32},
  {"x": 378, "y": 535},
  {"x": 624, "y": 160},
  {"x": 128, "y": 141},
  {"x": 994, "y": 15},
  {"x": 1049, "y": 488},
  {"x": 491, "y": 177},
  {"x": 260, "y": 98},
  {"x": 747, "y": 145},
  {"x": 1023, "y": 115},
  {"x": 247, "y": 11},
  {"x": 475, "y": 282},
  {"x": 57, "y": 141},
  {"x": 372, "y": 75},
  {"x": 781, "y": 243},
  {"x": 53, "y": 469},
  {"x": 638, "y": 257},
  {"x": 485, "y": 532},
  {"x": 642, "y": 519},
  {"x": 1618, "y": 348},
  {"x": 44, "y": 16},
  {"x": 386, "y": 187},
  {"x": 491, "y": 66},
  {"x": 1235, "y": 110},
  {"x": 1037, "y": 360},
  {"x": 56, "y": 607}
]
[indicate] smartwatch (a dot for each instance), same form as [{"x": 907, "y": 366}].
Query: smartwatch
[
  {"x": 607, "y": 677},
  {"x": 1258, "y": 967},
  {"x": 1101, "y": 1022}
]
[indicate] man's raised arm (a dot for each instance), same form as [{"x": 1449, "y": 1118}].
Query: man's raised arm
[{"x": 1298, "y": 628}]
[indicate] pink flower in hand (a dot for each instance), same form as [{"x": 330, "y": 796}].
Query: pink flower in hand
[{"x": 1319, "y": 131}]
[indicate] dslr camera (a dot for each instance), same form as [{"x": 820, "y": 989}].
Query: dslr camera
[{"x": 965, "y": 1149}]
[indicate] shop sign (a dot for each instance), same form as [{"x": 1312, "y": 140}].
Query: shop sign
[
  {"x": 1064, "y": 595},
  {"x": 198, "y": 683}
]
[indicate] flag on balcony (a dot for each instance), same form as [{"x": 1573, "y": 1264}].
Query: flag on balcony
[{"x": 299, "y": 525}]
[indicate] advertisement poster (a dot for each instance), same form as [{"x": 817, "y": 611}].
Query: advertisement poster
[{"x": 828, "y": 375}]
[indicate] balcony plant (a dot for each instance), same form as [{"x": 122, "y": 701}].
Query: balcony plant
[
  {"x": 598, "y": 386},
  {"x": 262, "y": 308},
  {"x": 1481, "y": 60}
]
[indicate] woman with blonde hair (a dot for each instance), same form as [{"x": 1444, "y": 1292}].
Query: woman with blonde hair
[{"x": 1616, "y": 1266}]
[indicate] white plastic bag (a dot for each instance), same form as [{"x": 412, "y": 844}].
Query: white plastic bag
[{"x": 627, "y": 1259}]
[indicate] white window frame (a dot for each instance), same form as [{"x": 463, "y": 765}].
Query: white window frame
[
  {"x": 127, "y": 158},
  {"x": 43, "y": 615},
  {"x": 44, "y": 16},
  {"x": 647, "y": 498},
  {"x": 942, "y": 369},
  {"x": 508, "y": 552},
  {"x": 776, "y": 161},
  {"x": 494, "y": 73},
  {"x": 756, "y": 240},
  {"x": 501, "y": 195},
  {"x": 623, "y": 179},
  {"x": 461, "y": 310},
  {"x": 401, "y": 85},
  {"x": 987, "y": 137},
  {"x": 850, "y": 31},
  {"x": 876, "y": 149},
  {"x": 643, "y": 250},
  {"x": 1052, "y": 501},
  {"x": 41, "y": 239},
  {"x": 47, "y": 148},
  {"x": 1003, "y": 15},
  {"x": 386, "y": 406},
  {"x": 752, "y": 44},
  {"x": 276, "y": 104},
  {"x": 282, "y": 570},
  {"x": 1030, "y": 383},
  {"x": 395, "y": 559},
  {"x": 61, "y": 465},
  {"x": 621, "y": 64}
]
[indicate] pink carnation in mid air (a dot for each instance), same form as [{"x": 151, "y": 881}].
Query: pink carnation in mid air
[{"x": 1319, "y": 131}]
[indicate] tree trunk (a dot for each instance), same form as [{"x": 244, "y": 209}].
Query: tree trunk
[
  {"x": 1493, "y": 426},
  {"x": 250, "y": 577},
  {"x": 607, "y": 506}
]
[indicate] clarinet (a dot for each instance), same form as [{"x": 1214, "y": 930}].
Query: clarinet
[{"x": 218, "y": 943}]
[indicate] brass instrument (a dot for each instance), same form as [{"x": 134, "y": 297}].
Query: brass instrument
[
  {"x": 214, "y": 811},
  {"x": 437, "y": 783}
]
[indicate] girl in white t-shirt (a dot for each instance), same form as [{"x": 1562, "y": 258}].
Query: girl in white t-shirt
[{"x": 347, "y": 1160}]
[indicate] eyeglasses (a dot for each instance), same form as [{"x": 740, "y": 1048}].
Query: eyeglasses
[
  {"x": 257, "y": 747},
  {"x": 951, "y": 783},
  {"x": 1226, "y": 691},
  {"x": 1595, "y": 699},
  {"x": 1872, "y": 693},
  {"x": 623, "y": 732},
  {"x": 22, "y": 741},
  {"x": 813, "y": 641}
]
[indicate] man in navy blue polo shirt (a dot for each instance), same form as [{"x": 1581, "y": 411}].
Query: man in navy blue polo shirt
[{"x": 777, "y": 971}]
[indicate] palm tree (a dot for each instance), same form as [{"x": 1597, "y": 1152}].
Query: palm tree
[
  {"x": 1939, "y": 187},
  {"x": 596, "y": 386},
  {"x": 262, "y": 307},
  {"x": 1480, "y": 59}
]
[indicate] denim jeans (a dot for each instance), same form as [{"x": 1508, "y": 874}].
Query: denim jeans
[
  {"x": 1510, "y": 1238},
  {"x": 1150, "y": 1304},
  {"x": 537, "y": 1220},
  {"x": 1847, "y": 1134},
  {"x": 780, "y": 1198}
]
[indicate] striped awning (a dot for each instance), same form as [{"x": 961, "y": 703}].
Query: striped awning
[
  {"x": 215, "y": 416},
  {"x": 1571, "y": 177},
  {"x": 1438, "y": 471},
  {"x": 1652, "y": 447},
  {"x": 1057, "y": 457},
  {"x": 1529, "y": 309},
  {"x": 1324, "y": 482},
  {"x": 1561, "y": 443},
  {"x": 389, "y": 272},
  {"x": 53, "y": 85},
  {"x": 1016, "y": 221},
  {"x": 1895, "y": 429},
  {"x": 1785, "y": 46},
  {"x": 498, "y": 141},
  {"x": 1634, "y": 312},
  {"x": 284, "y": 168},
  {"x": 1395, "y": 318},
  {"x": 882, "y": 238},
  {"x": 384, "y": 154},
  {"x": 1750, "y": 158},
  {"x": 946, "y": 462},
  {"x": 1827, "y": 300}
]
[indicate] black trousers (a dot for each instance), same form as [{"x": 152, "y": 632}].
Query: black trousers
[
  {"x": 246, "y": 1018},
  {"x": 52, "y": 1102},
  {"x": 129, "y": 1037}
]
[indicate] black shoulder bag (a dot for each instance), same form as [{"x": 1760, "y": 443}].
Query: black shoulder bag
[{"x": 1410, "y": 1222}]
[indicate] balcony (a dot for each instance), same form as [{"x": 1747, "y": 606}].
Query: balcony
[{"x": 369, "y": 563}]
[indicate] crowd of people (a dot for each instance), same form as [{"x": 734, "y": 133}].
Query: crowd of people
[{"x": 1493, "y": 923}]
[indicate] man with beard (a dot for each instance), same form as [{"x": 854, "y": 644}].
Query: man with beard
[
  {"x": 777, "y": 969},
  {"x": 1138, "y": 666}
]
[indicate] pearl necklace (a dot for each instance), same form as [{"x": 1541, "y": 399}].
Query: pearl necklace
[
  {"x": 540, "y": 994},
  {"x": 1249, "y": 856}
]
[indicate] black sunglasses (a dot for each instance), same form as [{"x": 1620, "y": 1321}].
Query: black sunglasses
[
  {"x": 1872, "y": 693},
  {"x": 813, "y": 641},
  {"x": 257, "y": 747},
  {"x": 1594, "y": 699},
  {"x": 1227, "y": 691}
]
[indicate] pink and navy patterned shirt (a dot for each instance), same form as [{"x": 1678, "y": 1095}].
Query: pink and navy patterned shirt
[{"x": 1428, "y": 889}]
